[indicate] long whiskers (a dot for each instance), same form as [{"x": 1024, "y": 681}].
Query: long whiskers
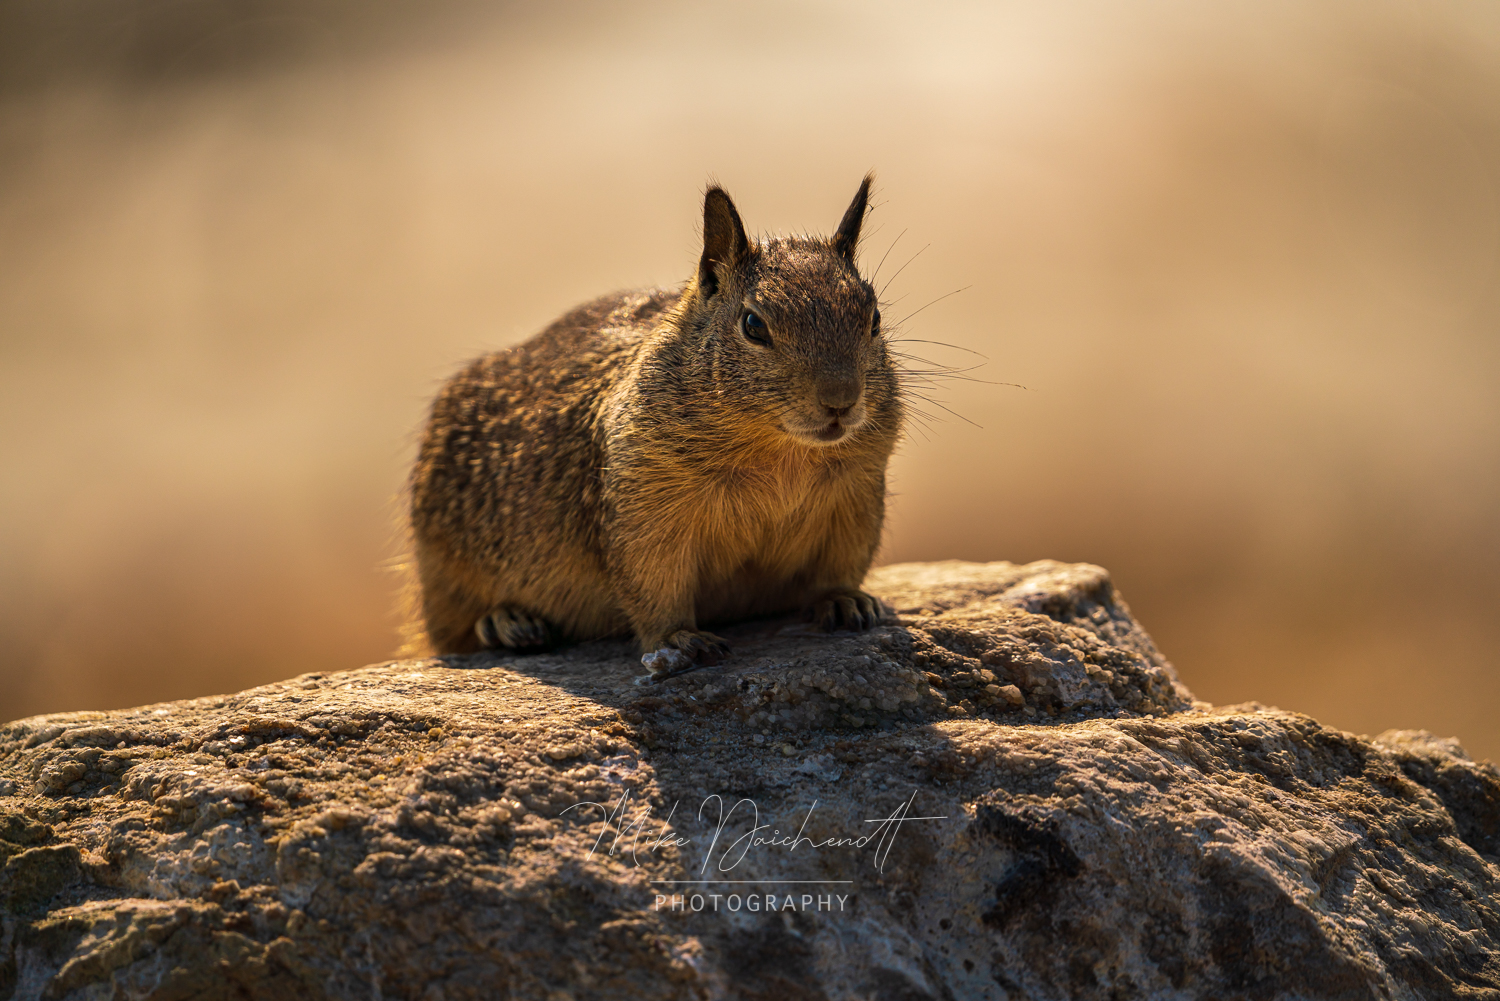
[
  {"x": 941, "y": 344},
  {"x": 907, "y": 393},
  {"x": 885, "y": 255},
  {"x": 903, "y": 267},
  {"x": 920, "y": 377},
  {"x": 939, "y": 299},
  {"x": 931, "y": 376},
  {"x": 935, "y": 368}
]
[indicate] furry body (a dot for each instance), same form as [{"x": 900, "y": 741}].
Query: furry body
[{"x": 644, "y": 466}]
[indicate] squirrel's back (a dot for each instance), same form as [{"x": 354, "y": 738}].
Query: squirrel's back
[{"x": 508, "y": 471}]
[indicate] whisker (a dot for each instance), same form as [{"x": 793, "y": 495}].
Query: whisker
[
  {"x": 901, "y": 269},
  {"x": 950, "y": 410},
  {"x": 885, "y": 255},
  {"x": 934, "y": 302},
  {"x": 932, "y": 379},
  {"x": 941, "y": 344},
  {"x": 937, "y": 366},
  {"x": 937, "y": 379},
  {"x": 918, "y": 417},
  {"x": 940, "y": 372}
]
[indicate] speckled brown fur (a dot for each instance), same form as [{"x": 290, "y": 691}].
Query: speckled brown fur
[{"x": 645, "y": 464}]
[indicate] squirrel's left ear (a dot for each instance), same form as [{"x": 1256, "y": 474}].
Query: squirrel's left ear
[
  {"x": 847, "y": 237},
  {"x": 724, "y": 240}
]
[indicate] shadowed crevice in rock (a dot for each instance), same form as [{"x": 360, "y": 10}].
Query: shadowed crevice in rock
[
  {"x": 1002, "y": 793},
  {"x": 1466, "y": 790},
  {"x": 1044, "y": 860}
]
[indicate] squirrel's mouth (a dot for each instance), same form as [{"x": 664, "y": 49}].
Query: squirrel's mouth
[
  {"x": 832, "y": 433},
  {"x": 837, "y": 429}
]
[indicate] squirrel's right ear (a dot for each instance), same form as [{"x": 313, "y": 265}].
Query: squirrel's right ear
[
  {"x": 724, "y": 239},
  {"x": 847, "y": 236}
]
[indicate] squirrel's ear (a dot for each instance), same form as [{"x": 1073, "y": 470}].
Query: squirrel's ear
[
  {"x": 847, "y": 237},
  {"x": 724, "y": 239}
]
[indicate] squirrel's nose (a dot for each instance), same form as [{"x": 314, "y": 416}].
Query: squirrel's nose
[{"x": 838, "y": 396}]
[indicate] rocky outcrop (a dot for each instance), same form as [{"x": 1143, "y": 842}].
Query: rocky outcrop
[{"x": 1003, "y": 792}]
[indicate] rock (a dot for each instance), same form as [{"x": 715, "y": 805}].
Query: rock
[{"x": 544, "y": 827}]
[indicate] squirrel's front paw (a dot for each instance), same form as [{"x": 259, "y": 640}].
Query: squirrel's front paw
[
  {"x": 684, "y": 650},
  {"x": 847, "y": 608},
  {"x": 515, "y": 630}
]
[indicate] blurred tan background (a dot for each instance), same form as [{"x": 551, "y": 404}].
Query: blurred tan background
[{"x": 1245, "y": 257}]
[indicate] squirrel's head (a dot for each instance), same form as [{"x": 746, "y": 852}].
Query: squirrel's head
[{"x": 791, "y": 330}]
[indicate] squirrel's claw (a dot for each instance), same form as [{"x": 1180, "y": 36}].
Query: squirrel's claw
[
  {"x": 513, "y": 629},
  {"x": 851, "y": 610},
  {"x": 702, "y": 648}
]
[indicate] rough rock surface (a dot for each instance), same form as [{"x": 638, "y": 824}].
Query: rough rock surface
[{"x": 413, "y": 829}]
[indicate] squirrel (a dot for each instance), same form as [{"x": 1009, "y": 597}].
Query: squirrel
[{"x": 657, "y": 460}]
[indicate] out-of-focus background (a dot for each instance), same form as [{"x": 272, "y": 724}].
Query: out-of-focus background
[{"x": 1244, "y": 257}]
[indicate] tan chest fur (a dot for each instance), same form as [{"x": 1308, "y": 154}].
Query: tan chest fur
[{"x": 759, "y": 527}]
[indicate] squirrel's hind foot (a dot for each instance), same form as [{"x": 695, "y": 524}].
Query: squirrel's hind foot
[
  {"x": 512, "y": 629},
  {"x": 683, "y": 650},
  {"x": 846, "y": 608}
]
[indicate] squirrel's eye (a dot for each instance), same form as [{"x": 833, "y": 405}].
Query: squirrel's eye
[
  {"x": 875, "y": 323},
  {"x": 755, "y": 329}
]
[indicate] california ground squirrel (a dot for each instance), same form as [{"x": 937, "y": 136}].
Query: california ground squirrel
[{"x": 661, "y": 458}]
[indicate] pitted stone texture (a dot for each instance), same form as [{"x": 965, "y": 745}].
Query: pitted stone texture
[
  {"x": 1060, "y": 632},
  {"x": 413, "y": 830}
]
